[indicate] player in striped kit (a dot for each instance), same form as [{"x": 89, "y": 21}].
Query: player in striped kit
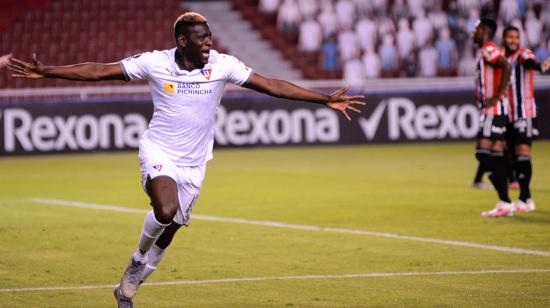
[
  {"x": 493, "y": 74},
  {"x": 522, "y": 128}
]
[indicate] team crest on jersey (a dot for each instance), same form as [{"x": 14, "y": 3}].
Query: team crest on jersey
[
  {"x": 170, "y": 87},
  {"x": 207, "y": 72},
  {"x": 157, "y": 167}
]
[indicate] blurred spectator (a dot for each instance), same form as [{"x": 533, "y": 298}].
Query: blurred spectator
[
  {"x": 348, "y": 45},
  {"x": 405, "y": 39},
  {"x": 466, "y": 5},
  {"x": 427, "y": 58},
  {"x": 467, "y": 65},
  {"x": 288, "y": 20},
  {"x": 311, "y": 36},
  {"x": 473, "y": 16},
  {"x": 453, "y": 15},
  {"x": 422, "y": 29},
  {"x": 308, "y": 8},
  {"x": 371, "y": 63},
  {"x": 533, "y": 29},
  {"x": 438, "y": 18},
  {"x": 269, "y": 6},
  {"x": 364, "y": 8},
  {"x": 509, "y": 10},
  {"x": 518, "y": 24},
  {"x": 385, "y": 26},
  {"x": 415, "y": 7},
  {"x": 545, "y": 19},
  {"x": 409, "y": 66},
  {"x": 542, "y": 52},
  {"x": 388, "y": 56},
  {"x": 399, "y": 10},
  {"x": 446, "y": 53},
  {"x": 500, "y": 29},
  {"x": 345, "y": 11},
  {"x": 328, "y": 19},
  {"x": 366, "y": 32},
  {"x": 460, "y": 36},
  {"x": 380, "y": 7},
  {"x": 522, "y": 4},
  {"x": 353, "y": 71},
  {"x": 329, "y": 55}
]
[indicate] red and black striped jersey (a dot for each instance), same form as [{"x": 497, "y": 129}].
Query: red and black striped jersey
[
  {"x": 521, "y": 88},
  {"x": 489, "y": 78}
]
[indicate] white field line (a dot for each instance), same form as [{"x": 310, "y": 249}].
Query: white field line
[
  {"x": 304, "y": 227},
  {"x": 229, "y": 280}
]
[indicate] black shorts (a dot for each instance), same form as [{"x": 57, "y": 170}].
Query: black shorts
[
  {"x": 522, "y": 131},
  {"x": 492, "y": 127}
]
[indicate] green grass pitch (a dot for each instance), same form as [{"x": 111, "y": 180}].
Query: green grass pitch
[{"x": 410, "y": 190}]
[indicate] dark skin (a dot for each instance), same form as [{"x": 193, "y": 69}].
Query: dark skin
[
  {"x": 481, "y": 36},
  {"x": 193, "y": 47},
  {"x": 511, "y": 40}
]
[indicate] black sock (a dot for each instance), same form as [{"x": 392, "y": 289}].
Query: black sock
[
  {"x": 484, "y": 158},
  {"x": 499, "y": 175},
  {"x": 524, "y": 171},
  {"x": 479, "y": 173},
  {"x": 510, "y": 165}
]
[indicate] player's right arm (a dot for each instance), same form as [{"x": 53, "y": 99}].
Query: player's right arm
[
  {"x": 83, "y": 71},
  {"x": 502, "y": 63}
]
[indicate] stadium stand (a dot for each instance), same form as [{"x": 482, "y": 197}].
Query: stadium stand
[
  {"x": 400, "y": 31},
  {"x": 369, "y": 39},
  {"x": 72, "y": 31}
]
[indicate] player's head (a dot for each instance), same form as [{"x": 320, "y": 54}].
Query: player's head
[
  {"x": 193, "y": 37},
  {"x": 484, "y": 31},
  {"x": 510, "y": 37}
]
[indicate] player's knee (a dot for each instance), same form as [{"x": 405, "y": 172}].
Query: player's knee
[
  {"x": 165, "y": 211},
  {"x": 482, "y": 154}
]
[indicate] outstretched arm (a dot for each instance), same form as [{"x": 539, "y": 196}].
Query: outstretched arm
[
  {"x": 536, "y": 65},
  {"x": 284, "y": 89},
  {"x": 83, "y": 71}
]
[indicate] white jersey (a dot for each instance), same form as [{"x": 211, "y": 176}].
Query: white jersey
[{"x": 185, "y": 103}]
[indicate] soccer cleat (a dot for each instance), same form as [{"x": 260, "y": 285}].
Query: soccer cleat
[
  {"x": 129, "y": 282},
  {"x": 501, "y": 209},
  {"x": 524, "y": 207},
  {"x": 122, "y": 301},
  {"x": 513, "y": 185},
  {"x": 481, "y": 185}
]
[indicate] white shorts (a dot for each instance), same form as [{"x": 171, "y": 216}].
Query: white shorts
[{"x": 154, "y": 162}]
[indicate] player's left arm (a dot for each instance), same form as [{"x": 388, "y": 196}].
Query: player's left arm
[
  {"x": 284, "y": 89},
  {"x": 536, "y": 65},
  {"x": 502, "y": 63}
]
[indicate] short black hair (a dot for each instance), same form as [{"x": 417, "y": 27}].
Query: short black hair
[
  {"x": 490, "y": 25},
  {"x": 509, "y": 28},
  {"x": 187, "y": 20}
]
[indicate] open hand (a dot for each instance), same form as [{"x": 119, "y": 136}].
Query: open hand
[
  {"x": 4, "y": 60},
  {"x": 341, "y": 102},
  {"x": 22, "y": 69}
]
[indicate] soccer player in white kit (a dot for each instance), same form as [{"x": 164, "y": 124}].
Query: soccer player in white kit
[{"x": 187, "y": 84}]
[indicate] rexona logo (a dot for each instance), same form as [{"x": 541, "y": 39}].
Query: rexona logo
[
  {"x": 276, "y": 127},
  {"x": 426, "y": 122},
  {"x": 75, "y": 132}
]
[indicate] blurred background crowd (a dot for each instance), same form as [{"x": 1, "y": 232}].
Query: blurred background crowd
[{"x": 402, "y": 38}]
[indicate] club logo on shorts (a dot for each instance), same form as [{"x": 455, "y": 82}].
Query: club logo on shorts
[
  {"x": 157, "y": 167},
  {"x": 170, "y": 87},
  {"x": 207, "y": 73}
]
